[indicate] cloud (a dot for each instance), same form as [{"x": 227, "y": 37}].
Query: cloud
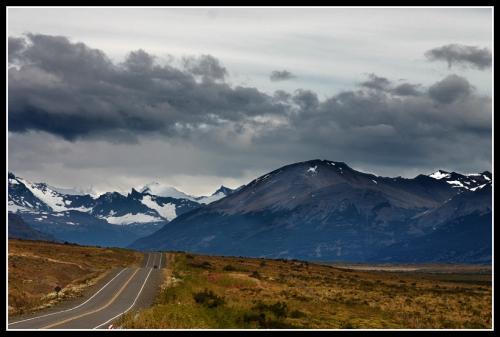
[
  {"x": 376, "y": 82},
  {"x": 281, "y": 75},
  {"x": 73, "y": 91},
  {"x": 69, "y": 96},
  {"x": 472, "y": 56},
  {"x": 206, "y": 66},
  {"x": 451, "y": 88},
  {"x": 407, "y": 89}
]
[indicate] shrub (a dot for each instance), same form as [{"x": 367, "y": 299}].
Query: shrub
[
  {"x": 297, "y": 314},
  {"x": 229, "y": 268},
  {"x": 203, "y": 265},
  {"x": 208, "y": 298},
  {"x": 279, "y": 309},
  {"x": 255, "y": 274}
]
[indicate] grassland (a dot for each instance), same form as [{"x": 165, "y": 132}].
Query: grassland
[
  {"x": 36, "y": 268},
  {"x": 226, "y": 292}
]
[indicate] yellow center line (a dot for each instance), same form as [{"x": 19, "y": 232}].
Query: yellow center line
[{"x": 96, "y": 310}]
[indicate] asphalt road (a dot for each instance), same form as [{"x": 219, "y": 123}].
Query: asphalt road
[{"x": 129, "y": 288}]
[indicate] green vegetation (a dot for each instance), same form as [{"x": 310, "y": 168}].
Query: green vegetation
[{"x": 225, "y": 292}]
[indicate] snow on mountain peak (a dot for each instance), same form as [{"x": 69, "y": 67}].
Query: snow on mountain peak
[
  {"x": 161, "y": 190},
  {"x": 312, "y": 169},
  {"x": 439, "y": 174}
]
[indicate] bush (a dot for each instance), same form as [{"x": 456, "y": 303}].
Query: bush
[
  {"x": 229, "y": 268},
  {"x": 208, "y": 298},
  {"x": 203, "y": 265},
  {"x": 255, "y": 274},
  {"x": 297, "y": 314},
  {"x": 279, "y": 309}
]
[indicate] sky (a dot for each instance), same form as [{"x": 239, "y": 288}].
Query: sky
[{"x": 115, "y": 98}]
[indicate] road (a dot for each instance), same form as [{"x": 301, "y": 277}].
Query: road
[{"x": 128, "y": 288}]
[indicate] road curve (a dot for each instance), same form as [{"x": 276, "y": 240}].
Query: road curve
[{"x": 119, "y": 295}]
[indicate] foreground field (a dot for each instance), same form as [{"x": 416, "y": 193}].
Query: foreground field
[
  {"x": 36, "y": 268},
  {"x": 225, "y": 292}
]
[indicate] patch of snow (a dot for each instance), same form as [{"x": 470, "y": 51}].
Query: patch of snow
[
  {"x": 486, "y": 177},
  {"x": 440, "y": 175},
  {"x": 455, "y": 182},
  {"x": 49, "y": 197},
  {"x": 212, "y": 198},
  {"x": 13, "y": 208},
  {"x": 478, "y": 187},
  {"x": 167, "y": 211},
  {"x": 165, "y": 191},
  {"x": 58, "y": 214},
  {"x": 81, "y": 209},
  {"x": 13, "y": 182},
  {"x": 312, "y": 169},
  {"x": 70, "y": 223},
  {"x": 131, "y": 218},
  {"x": 374, "y": 181}
]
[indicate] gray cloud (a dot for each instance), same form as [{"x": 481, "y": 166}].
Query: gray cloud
[
  {"x": 206, "y": 66},
  {"x": 472, "y": 56},
  {"x": 376, "y": 82},
  {"x": 407, "y": 89},
  {"x": 451, "y": 88},
  {"x": 78, "y": 95},
  {"x": 281, "y": 75},
  {"x": 74, "y": 91}
]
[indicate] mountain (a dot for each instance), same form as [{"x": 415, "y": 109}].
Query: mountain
[
  {"x": 161, "y": 190},
  {"x": 111, "y": 219},
  {"x": 222, "y": 192},
  {"x": 325, "y": 210},
  {"x": 18, "y": 229}
]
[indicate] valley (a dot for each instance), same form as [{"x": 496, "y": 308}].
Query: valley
[{"x": 215, "y": 292}]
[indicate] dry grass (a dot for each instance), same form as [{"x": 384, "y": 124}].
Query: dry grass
[
  {"x": 36, "y": 268},
  {"x": 257, "y": 293}
]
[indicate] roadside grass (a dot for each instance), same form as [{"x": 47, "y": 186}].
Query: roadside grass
[
  {"x": 36, "y": 268},
  {"x": 263, "y": 293}
]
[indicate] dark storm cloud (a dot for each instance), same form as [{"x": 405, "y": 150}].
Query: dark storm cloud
[
  {"x": 75, "y": 92},
  {"x": 281, "y": 75},
  {"x": 475, "y": 57}
]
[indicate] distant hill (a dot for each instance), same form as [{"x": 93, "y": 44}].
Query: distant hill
[{"x": 18, "y": 229}]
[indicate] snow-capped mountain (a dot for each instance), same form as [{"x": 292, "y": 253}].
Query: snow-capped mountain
[
  {"x": 222, "y": 192},
  {"x": 469, "y": 182},
  {"x": 123, "y": 217},
  {"x": 325, "y": 210},
  {"x": 161, "y": 190}
]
